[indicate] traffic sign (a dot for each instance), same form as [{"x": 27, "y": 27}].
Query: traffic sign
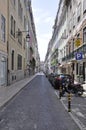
[{"x": 79, "y": 56}]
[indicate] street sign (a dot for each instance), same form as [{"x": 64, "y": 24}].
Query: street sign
[
  {"x": 79, "y": 56},
  {"x": 77, "y": 42}
]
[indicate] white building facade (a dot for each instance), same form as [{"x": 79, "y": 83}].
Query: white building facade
[{"x": 70, "y": 38}]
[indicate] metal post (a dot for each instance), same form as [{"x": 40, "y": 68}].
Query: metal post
[
  {"x": 69, "y": 102},
  {"x": 60, "y": 92}
]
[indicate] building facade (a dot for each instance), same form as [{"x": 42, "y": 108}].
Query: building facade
[
  {"x": 17, "y": 55},
  {"x": 75, "y": 39},
  {"x": 70, "y": 38},
  {"x": 33, "y": 59},
  {"x": 3, "y": 42},
  {"x": 16, "y": 40}
]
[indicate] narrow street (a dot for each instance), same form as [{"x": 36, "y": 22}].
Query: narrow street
[{"x": 36, "y": 107}]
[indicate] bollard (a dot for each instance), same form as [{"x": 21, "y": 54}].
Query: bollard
[
  {"x": 69, "y": 102},
  {"x": 60, "y": 92}
]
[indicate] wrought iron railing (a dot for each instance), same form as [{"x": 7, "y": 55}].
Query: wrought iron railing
[{"x": 72, "y": 54}]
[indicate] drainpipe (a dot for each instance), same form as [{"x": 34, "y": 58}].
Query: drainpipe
[{"x": 7, "y": 40}]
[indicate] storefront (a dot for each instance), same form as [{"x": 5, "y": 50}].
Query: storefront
[{"x": 81, "y": 71}]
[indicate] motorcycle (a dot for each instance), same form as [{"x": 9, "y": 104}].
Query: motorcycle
[
  {"x": 70, "y": 87},
  {"x": 76, "y": 89}
]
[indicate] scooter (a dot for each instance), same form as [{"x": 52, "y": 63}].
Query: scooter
[
  {"x": 70, "y": 87},
  {"x": 77, "y": 88}
]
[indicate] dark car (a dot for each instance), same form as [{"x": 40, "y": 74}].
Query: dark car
[{"x": 50, "y": 77}]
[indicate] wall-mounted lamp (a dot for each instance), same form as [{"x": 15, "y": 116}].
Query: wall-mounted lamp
[
  {"x": 19, "y": 33},
  {"x": 27, "y": 37}
]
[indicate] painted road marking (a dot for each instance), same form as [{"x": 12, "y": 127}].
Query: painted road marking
[
  {"x": 80, "y": 105},
  {"x": 35, "y": 126},
  {"x": 76, "y": 120},
  {"x": 78, "y": 113}
]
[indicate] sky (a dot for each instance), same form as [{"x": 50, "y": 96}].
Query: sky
[{"x": 44, "y": 13}]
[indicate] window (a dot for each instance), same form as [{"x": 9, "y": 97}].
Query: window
[
  {"x": 81, "y": 70},
  {"x": 19, "y": 36},
  {"x": 69, "y": 9},
  {"x": 13, "y": 26},
  {"x": 79, "y": 12},
  {"x": 70, "y": 6},
  {"x": 84, "y": 6},
  {"x": 21, "y": 14},
  {"x": 78, "y": 35},
  {"x": 74, "y": 20},
  {"x": 66, "y": 49},
  {"x": 73, "y": 43},
  {"x": 14, "y": 1},
  {"x": 19, "y": 61},
  {"x": 25, "y": 3},
  {"x": 20, "y": 9},
  {"x": 70, "y": 25},
  {"x": 64, "y": 52},
  {"x": 69, "y": 47},
  {"x": 24, "y": 22},
  {"x": 12, "y": 59},
  {"x": 77, "y": 68},
  {"x": 3, "y": 28},
  {"x": 84, "y": 64},
  {"x": 24, "y": 43},
  {"x": 84, "y": 35}
]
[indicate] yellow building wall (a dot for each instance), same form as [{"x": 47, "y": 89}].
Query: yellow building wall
[
  {"x": 3, "y": 11},
  {"x": 13, "y": 42}
]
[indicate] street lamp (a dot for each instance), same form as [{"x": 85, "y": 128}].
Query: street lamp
[
  {"x": 27, "y": 37},
  {"x": 19, "y": 33}
]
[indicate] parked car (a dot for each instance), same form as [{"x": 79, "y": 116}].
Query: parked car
[{"x": 50, "y": 77}]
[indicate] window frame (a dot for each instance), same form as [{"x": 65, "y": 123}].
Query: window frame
[
  {"x": 84, "y": 6},
  {"x": 13, "y": 26},
  {"x": 84, "y": 35},
  {"x": 79, "y": 12},
  {"x": 19, "y": 62},
  {"x": 12, "y": 60},
  {"x": 3, "y": 28}
]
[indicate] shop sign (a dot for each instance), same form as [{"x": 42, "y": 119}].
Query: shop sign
[{"x": 78, "y": 42}]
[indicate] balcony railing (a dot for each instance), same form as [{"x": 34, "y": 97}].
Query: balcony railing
[{"x": 72, "y": 54}]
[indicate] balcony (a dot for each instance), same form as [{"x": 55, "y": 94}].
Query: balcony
[{"x": 72, "y": 54}]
